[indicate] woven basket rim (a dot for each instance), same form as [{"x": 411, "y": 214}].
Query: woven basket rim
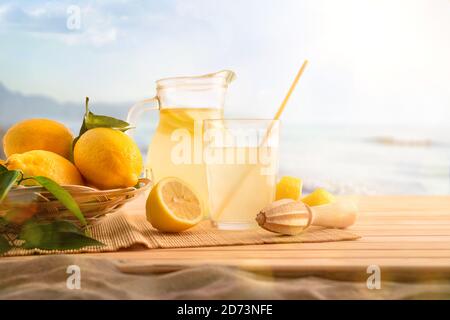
[
  {"x": 144, "y": 181},
  {"x": 94, "y": 203}
]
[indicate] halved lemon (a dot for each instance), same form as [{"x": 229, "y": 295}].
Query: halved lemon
[{"x": 173, "y": 206}]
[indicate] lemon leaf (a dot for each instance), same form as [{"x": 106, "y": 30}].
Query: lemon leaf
[
  {"x": 56, "y": 235},
  {"x": 7, "y": 180},
  {"x": 92, "y": 121},
  {"x": 83, "y": 128},
  {"x": 65, "y": 226},
  {"x": 3, "y": 169},
  {"x": 62, "y": 195},
  {"x": 63, "y": 241},
  {"x": 4, "y": 245},
  {"x": 97, "y": 121}
]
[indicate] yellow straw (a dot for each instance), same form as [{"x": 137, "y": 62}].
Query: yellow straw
[
  {"x": 277, "y": 117},
  {"x": 291, "y": 89}
]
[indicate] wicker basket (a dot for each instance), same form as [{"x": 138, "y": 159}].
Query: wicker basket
[{"x": 94, "y": 203}]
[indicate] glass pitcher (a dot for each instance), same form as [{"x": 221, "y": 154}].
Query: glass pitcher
[{"x": 176, "y": 149}]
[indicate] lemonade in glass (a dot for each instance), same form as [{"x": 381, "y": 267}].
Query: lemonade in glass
[{"x": 242, "y": 163}]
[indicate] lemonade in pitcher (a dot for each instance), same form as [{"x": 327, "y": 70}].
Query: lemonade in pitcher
[
  {"x": 178, "y": 137},
  {"x": 176, "y": 149}
]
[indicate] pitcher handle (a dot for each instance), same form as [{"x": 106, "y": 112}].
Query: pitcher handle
[{"x": 139, "y": 108}]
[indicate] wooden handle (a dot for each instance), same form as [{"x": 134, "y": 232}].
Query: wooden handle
[{"x": 340, "y": 214}]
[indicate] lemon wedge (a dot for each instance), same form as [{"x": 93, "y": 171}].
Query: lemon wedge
[
  {"x": 289, "y": 188},
  {"x": 173, "y": 206}
]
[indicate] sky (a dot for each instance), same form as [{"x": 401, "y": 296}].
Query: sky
[{"x": 371, "y": 61}]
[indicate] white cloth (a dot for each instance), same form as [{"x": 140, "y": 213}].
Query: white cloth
[{"x": 45, "y": 277}]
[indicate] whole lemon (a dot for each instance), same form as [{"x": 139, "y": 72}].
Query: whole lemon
[
  {"x": 38, "y": 134},
  {"x": 108, "y": 158},
  {"x": 47, "y": 164}
]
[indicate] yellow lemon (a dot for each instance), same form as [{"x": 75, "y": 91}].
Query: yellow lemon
[
  {"x": 108, "y": 158},
  {"x": 172, "y": 206},
  {"x": 319, "y": 197},
  {"x": 289, "y": 188},
  {"x": 38, "y": 134},
  {"x": 47, "y": 164}
]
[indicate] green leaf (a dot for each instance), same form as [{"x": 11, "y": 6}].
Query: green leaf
[
  {"x": 64, "y": 241},
  {"x": 83, "y": 128},
  {"x": 92, "y": 121},
  {"x": 3, "y": 169},
  {"x": 4, "y": 245},
  {"x": 33, "y": 226},
  {"x": 56, "y": 235},
  {"x": 72, "y": 148},
  {"x": 62, "y": 195},
  {"x": 65, "y": 226},
  {"x": 96, "y": 121},
  {"x": 7, "y": 180}
]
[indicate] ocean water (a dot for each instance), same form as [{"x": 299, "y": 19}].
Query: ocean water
[
  {"x": 369, "y": 160},
  {"x": 356, "y": 159}
]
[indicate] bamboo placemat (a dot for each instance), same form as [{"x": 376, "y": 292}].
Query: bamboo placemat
[{"x": 121, "y": 231}]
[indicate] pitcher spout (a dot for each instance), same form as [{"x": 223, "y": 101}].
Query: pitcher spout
[{"x": 228, "y": 75}]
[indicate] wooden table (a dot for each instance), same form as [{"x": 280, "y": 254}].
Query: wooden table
[{"x": 408, "y": 237}]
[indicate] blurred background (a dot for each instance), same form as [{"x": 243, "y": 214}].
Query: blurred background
[{"x": 371, "y": 114}]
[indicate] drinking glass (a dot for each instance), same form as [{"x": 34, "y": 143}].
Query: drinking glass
[{"x": 241, "y": 157}]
